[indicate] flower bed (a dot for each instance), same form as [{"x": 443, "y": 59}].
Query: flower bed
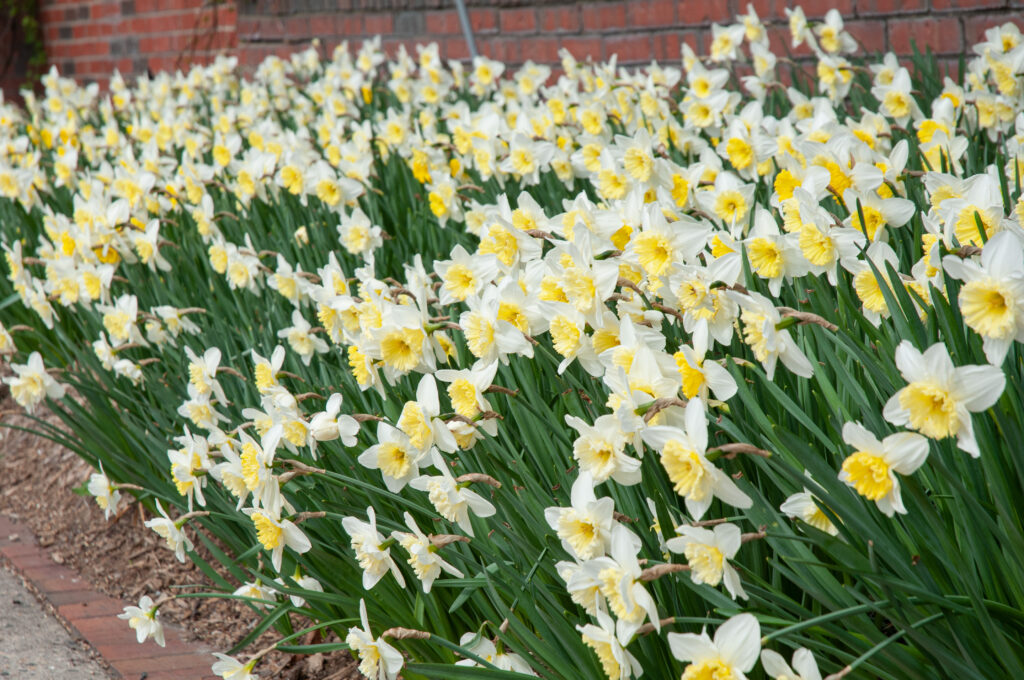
[{"x": 508, "y": 376}]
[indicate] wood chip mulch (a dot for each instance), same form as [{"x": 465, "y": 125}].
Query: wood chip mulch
[{"x": 124, "y": 559}]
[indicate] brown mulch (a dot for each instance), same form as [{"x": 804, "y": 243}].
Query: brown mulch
[{"x": 124, "y": 559}]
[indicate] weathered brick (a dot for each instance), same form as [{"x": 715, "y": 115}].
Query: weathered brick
[
  {"x": 518, "y": 20},
  {"x": 870, "y": 35},
  {"x": 564, "y": 19},
  {"x": 378, "y": 24},
  {"x": 692, "y": 12},
  {"x": 815, "y": 9},
  {"x": 442, "y": 23},
  {"x": 668, "y": 46},
  {"x": 409, "y": 23},
  {"x": 178, "y": 662},
  {"x": 87, "y": 610},
  {"x": 654, "y": 13},
  {"x": 481, "y": 20},
  {"x": 540, "y": 49},
  {"x": 631, "y": 49},
  {"x": 870, "y": 8},
  {"x": 976, "y": 25},
  {"x": 940, "y": 5},
  {"x": 583, "y": 48},
  {"x": 454, "y": 49},
  {"x": 604, "y": 16},
  {"x": 943, "y": 35}
]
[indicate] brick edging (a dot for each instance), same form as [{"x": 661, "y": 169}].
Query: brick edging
[{"x": 91, "y": 616}]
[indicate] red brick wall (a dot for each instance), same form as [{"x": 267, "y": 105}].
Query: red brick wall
[
  {"x": 637, "y": 30},
  {"x": 89, "y": 38}
]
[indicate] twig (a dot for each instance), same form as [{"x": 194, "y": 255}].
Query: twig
[
  {"x": 659, "y": 570},
  {"x": 807, "y": 317}
]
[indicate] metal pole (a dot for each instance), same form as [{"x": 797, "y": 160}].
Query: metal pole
[{"x": 467, "y": 30}]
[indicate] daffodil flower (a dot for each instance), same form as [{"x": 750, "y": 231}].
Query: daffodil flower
[
  {"x": 871, "y": 469},
  {"x": 143, "y": 620},
  {"x": 731, "y": 654},
  {"x": 171, "y": 532},
  {"x": 30, "y": 383},
  {"x": 372, "y": 551},
  {"x": 395, "y": 456},
  {"x": 585, "y": 527},
  {"x": 377, "y": 659},
  {"x": 992, "y": 296},
  {"x": 940, "y": 397},
  {"x": 423, "y": 555},
  {"x": 616, "y": 661},
  {"x": 230, "y": 668},
  {"x": 452, "y": 499},
  {"x": 708, "y": 553},
  {"x": 274, "y": 533},
  {"x": 101, "y": 488},
  {"x": 684, "y": 457},
  {"x": 804, "y": 665}
]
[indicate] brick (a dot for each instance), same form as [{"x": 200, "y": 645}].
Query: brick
[
  {"x": 815, "y": 9},
  {"x": 73, "y": 597},
  {"x": 631, "y": 49},
  {"x": 227, "y": 15},
  {"x": 540, "y": 49},
  {"x": 41, "y": 560},
  {"x": 870, "y": 35},
  {"x": 943, "y": 35},
  {"x": 297, "y": 27},
  {"x": 53, "y": 572},
  {"x": 378, "y": 24},
  {"x": 103, "y": 10},
  {"x": 503, "y": 49},
  {"x": 560, "y": 19},
  {"x": 177, "y": 662},
  {"x": 442, "y": 23},
  {"x": 668, "y": 46},
  {"x": 17, "y": 550},
  {"x": 940, "y": 5},
  {"x": 409, "y": 23},
  {"x": 481, "y": 20},
  {"x": 128, "y": 648},
  {"x": 350, "y": 25},
  {"x": 656, "y": 13},
  {"x": 454, "y": 50},
  {"x": 976, "y": 25},
  {"x": 582, "y": 48},
  {"x": 868, "y": 8},
  {"x": 87, "y": 610},
  {"x": 518, "y": 20},
  {"x": 48, "y": 16},
  {"x": 175, "y": 675},
  {"x": 604, "y": 16},
  {"x": 693, "y": 12}
]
